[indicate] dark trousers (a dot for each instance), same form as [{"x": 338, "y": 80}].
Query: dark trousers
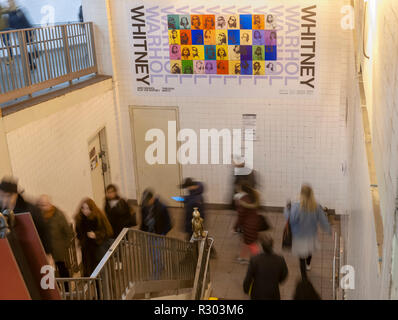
[
  {"x": 303, "y": 263},
  {"x": 63, "y": 272}
]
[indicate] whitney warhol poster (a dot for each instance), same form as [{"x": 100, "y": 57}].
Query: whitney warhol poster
[{"x": 224, "y": 50}]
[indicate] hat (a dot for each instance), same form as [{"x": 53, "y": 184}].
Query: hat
[
  {"x": 188, "y": 182},
  {"x": 8, "y": 186}
]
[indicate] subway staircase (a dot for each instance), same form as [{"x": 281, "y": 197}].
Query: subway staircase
[{"x": 141, "y": 265}]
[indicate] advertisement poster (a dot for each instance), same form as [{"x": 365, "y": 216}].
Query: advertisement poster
[{"x": 267, "y": 49}]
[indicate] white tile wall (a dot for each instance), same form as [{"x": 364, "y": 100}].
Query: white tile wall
[
  {"x": 380, "y": 78},
  {"x": 299, "y": 140},
  {"x": 51, "y": 155},
  {"x": 359, "y": 232},
  {"x": 384, "y": 104}
]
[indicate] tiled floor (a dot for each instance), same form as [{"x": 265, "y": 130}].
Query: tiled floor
[{"x": 227, "y": 275}]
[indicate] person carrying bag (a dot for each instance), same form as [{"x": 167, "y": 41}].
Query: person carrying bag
[{"x": 303, "y": 218}]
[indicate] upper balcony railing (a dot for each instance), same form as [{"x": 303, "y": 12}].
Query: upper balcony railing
[{"x": 35, "y": 59}]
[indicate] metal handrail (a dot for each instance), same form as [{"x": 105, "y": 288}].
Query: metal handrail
[
  {"x": 137, "y": 258},
  {"x": 86, "y": 288},
  {"x": 35, "y": 59},
  {"x": 334, "y": 266},
  {"x": 202, "y": 267},
  {"x": 207, "y": 267},
  {"x": 71, "y": 259}
]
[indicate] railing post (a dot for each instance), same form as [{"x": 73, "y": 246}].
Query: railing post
[
  {"x": 105, "y": 289},
  {"x": 25, "y": 60},
  {"x": 66, "y": 50},
  {"x": 93, "y": 46}
]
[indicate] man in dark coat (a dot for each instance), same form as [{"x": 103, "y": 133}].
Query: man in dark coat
[
  {"x": 193, "y": 200},
  {"x": 266, "y": 271},
  {"x": 155, "y": 215},
  {"x": 155, "y": 219},
  {"x": 12, "y": 200},
  {"x": 117, "y": 211},
  {"x": 59, "y": 233}
]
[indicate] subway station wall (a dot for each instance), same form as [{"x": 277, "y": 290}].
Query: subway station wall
[
  {"x": 299, "y": 138},
  {"x": 381, "y": 81},
  {"x": 358, "y": 228},
  {"x": 50, "y": 155}
]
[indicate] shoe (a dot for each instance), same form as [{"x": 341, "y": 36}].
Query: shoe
[{"x": 307, "y": 267}]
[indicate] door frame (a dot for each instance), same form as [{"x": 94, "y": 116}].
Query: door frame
[
  {"x": 131, "y": 113},
  {"x": 91, "y": 138}
]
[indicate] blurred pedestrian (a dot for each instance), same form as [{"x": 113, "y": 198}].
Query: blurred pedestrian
[
  {"x": 118, "y": 211},
  {"x": 155, "y": 219},
  {"x": 304, "y": 217},
  {"x": 18, "y": 20},
  {"x": 5, "y": 26},
  {"x": 247, "y": 202},
  {"x": 12, "y": 200},
  {"x": 305, "y": 291},
  {"x": 80, "y": 14},
  {"x": 265, "y": 272},
  {"x": 155, "y": 215},
  {"x": 59, "y": 234},
  {"x": 94, "y": 233},
  {"x": 194, "y": 199},
  {"x": 241, "y": 175}
]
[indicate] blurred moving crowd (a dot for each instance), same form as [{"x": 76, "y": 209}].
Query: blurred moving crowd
[{"x": 96, "y": 229}]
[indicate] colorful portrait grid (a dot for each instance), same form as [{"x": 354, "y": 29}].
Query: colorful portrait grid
[{"x": 244, "y": 44}]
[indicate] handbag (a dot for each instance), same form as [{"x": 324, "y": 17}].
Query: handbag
[
  {"x": 263, "y": 224},
  {"x": 287, "y": 236}
]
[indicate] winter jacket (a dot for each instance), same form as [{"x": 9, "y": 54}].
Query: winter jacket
[
  {"x": 93, "y": 250},
  {"x": 156, "y": 218},
  {"x": 59, "y": 234},
  {"x": 305, "y": 224},
  {"x": 119, "y": 216},
  {"x": 248, "y": 219},
  {"x": 191, "y": 201},
  {"x": 95, "y": 225},
  {"x": 266, "y": 271},
  {"x": 23, "y": 206},
  {"x": 18, "y": 20}
]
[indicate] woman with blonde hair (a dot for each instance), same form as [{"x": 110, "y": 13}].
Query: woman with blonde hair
[
  {"x": 94, "y": 233},
  {"x": 304, "y": 217}
]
